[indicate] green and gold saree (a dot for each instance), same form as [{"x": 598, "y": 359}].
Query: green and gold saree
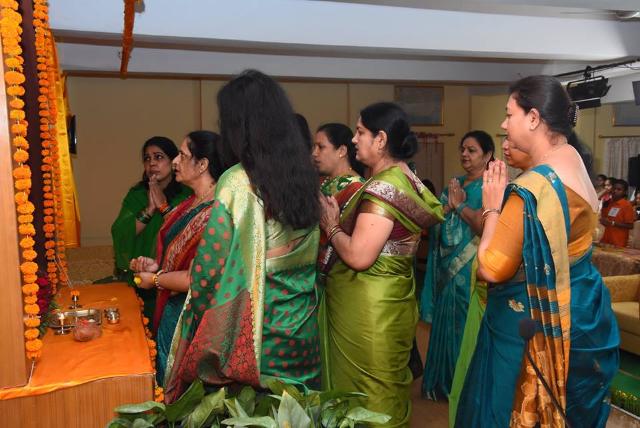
[
  {"x": 247, "y": 317},
  {"x": 370, "y": 316}
]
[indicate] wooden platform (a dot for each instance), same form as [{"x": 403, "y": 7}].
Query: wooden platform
[{"x": 78, "y": 384}]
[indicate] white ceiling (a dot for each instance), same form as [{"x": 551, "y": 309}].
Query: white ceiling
[{"x": 491, "y": 41}]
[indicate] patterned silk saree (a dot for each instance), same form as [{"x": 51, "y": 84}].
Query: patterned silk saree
[
  {"x": 247, "y": 318},
  {"x": 177, "y": 244},
  {"x": 576, "y": 340},
  {"x": 370, "y": 316},
  {"x": 342, "y": 188},
  {"x": 449, "y": 281}
]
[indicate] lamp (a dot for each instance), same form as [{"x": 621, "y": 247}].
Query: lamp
[{"x": 586, "y": 93}]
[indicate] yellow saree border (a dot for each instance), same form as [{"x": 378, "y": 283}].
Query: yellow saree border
[{"x": 532, "y": 405}]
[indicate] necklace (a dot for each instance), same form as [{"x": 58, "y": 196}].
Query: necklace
[
  {"x": 546, "y": 155},
  {"x": 202, "y": 197}
]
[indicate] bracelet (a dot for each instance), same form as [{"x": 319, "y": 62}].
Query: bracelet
[
  {"x": 156, "y": 278},
  {"x": 334, "y": 231},
  {"x": 461, "y": 207},
  {"x": 488, "y": 211},
  {"x": 164, "y": 208},
  {"x": 143, "y": 217}
]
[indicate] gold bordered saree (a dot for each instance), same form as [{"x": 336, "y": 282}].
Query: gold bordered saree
[
  {"x": 370, "y": 316},
  {"x": 247, "y": 318}
]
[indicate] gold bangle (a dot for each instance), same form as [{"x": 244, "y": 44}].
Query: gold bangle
[
  {"x": 333, "y": 229},
  {"x": 156, "y": 278},
  {"x": 488, "y": 211},
  {"x": 334, "y": 232}
]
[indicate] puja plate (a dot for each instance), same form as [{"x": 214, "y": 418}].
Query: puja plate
[{"x": 63, "y": 321}]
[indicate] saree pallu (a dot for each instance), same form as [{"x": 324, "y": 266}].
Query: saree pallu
[
  {"x": 342, "y": 188},
  {"x": 447, "y": 289},
  {"x": 127, "y": 245},
  {"x": 247, "y": 318},
  {"x": 576, "y": 340},
  {"x": 177, "y": 244},
  {"x": 370, "y": 316}
]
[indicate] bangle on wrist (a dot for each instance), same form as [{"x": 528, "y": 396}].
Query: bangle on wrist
[
  {"x": 334, "y": 231},
  {"x": 488, "y": 211},
  {"x": 164, "y": 208},
  {"x": 156, "y": 278},
  {"x": 143, "y": 217},
  {"x": 461, "y": 206}
]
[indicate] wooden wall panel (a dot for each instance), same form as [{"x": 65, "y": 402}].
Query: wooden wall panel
[
  {"x": 83, "y": 406},
  {"x": 13, "y": 368}
]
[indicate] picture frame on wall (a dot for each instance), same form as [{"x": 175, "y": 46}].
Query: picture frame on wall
[
  {"x": 422, "y": 103},
  {"x": 626, "y": 114}
]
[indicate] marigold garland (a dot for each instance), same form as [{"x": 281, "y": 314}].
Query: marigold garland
[
  {"x": 158, "y": 392},
  {"x": 47, "y": 78},
  {"x": 11, "y": 31}
]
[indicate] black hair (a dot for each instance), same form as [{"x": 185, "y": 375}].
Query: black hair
[
  {"x": 169, "y": 148},
  {"x": 390, "y": 118},
  {"x": 484, "y": 141},
  {"x": 205, "y": 145},
  {"x": 339, "y": 135},
  {"x": 602, "y": 176},
  {"x": 258, "y": 129},
  {"x": 304, "y": 130},
  {"x": 622, "y": 182},
  {"x": 429, "y": 185},
  {"x": 547, "y": 95}
]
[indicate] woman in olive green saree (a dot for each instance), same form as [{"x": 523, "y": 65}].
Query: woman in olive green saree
[{"x": 371, "y": 311}]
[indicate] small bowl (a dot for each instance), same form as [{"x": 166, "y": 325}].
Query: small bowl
[
  {"x": 86, "y": 329},
  {"x": 112, "y": 315}
]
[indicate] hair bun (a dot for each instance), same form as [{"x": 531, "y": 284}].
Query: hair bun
[
  {"x": 409, "y": 146},
  {"x": 572, "y": 113}
]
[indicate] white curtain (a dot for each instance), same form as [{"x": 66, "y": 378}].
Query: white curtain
[{"x": 617, "y": 153}]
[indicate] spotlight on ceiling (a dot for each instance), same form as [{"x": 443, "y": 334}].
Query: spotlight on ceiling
[{"x": 588, "y": 92}]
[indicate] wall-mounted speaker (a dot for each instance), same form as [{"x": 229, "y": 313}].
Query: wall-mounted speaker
[
  {"x": 636, "y": 91},
  {"x": 633, "y": 173}
]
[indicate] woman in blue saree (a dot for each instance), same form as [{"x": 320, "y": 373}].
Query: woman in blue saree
[
  {"x": 543, "y": 271},
  {"x": 450, "y": 275}
]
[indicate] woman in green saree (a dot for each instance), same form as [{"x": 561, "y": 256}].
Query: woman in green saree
[
  {"x": 334, "y": 156},
  {"x": 371, "y": 311},
  {"x": 451, "y": 277},
  {"x": 251, "y": 312},
  {"x": 135, "y": 230}
]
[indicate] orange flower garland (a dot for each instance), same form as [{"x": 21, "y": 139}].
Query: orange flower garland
[
  {"x": 10, "y": 21},
  {"x": 47, "y": 77},
  {"x": 158, "y": 392}
]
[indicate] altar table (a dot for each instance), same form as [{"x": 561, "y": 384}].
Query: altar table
[{"x": 77, "y": 384}]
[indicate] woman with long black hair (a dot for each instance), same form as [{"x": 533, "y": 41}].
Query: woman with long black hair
[{"x": 252, "y": 309}]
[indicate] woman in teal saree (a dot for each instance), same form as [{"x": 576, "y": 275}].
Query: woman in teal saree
[
  {"x": 542, "y": 272},
  {"x": 135, "y": 230},
  {"x": 371, "y": 311},
  {"x": 450, "y": 276},
  {"x": 251, "y": 312},
  {"x": 198, "y": 167}
]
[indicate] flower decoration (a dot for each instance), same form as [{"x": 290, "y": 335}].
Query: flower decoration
[
  {"x": 47, "y": 78},
  {"x": 11, "y": 30}
]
